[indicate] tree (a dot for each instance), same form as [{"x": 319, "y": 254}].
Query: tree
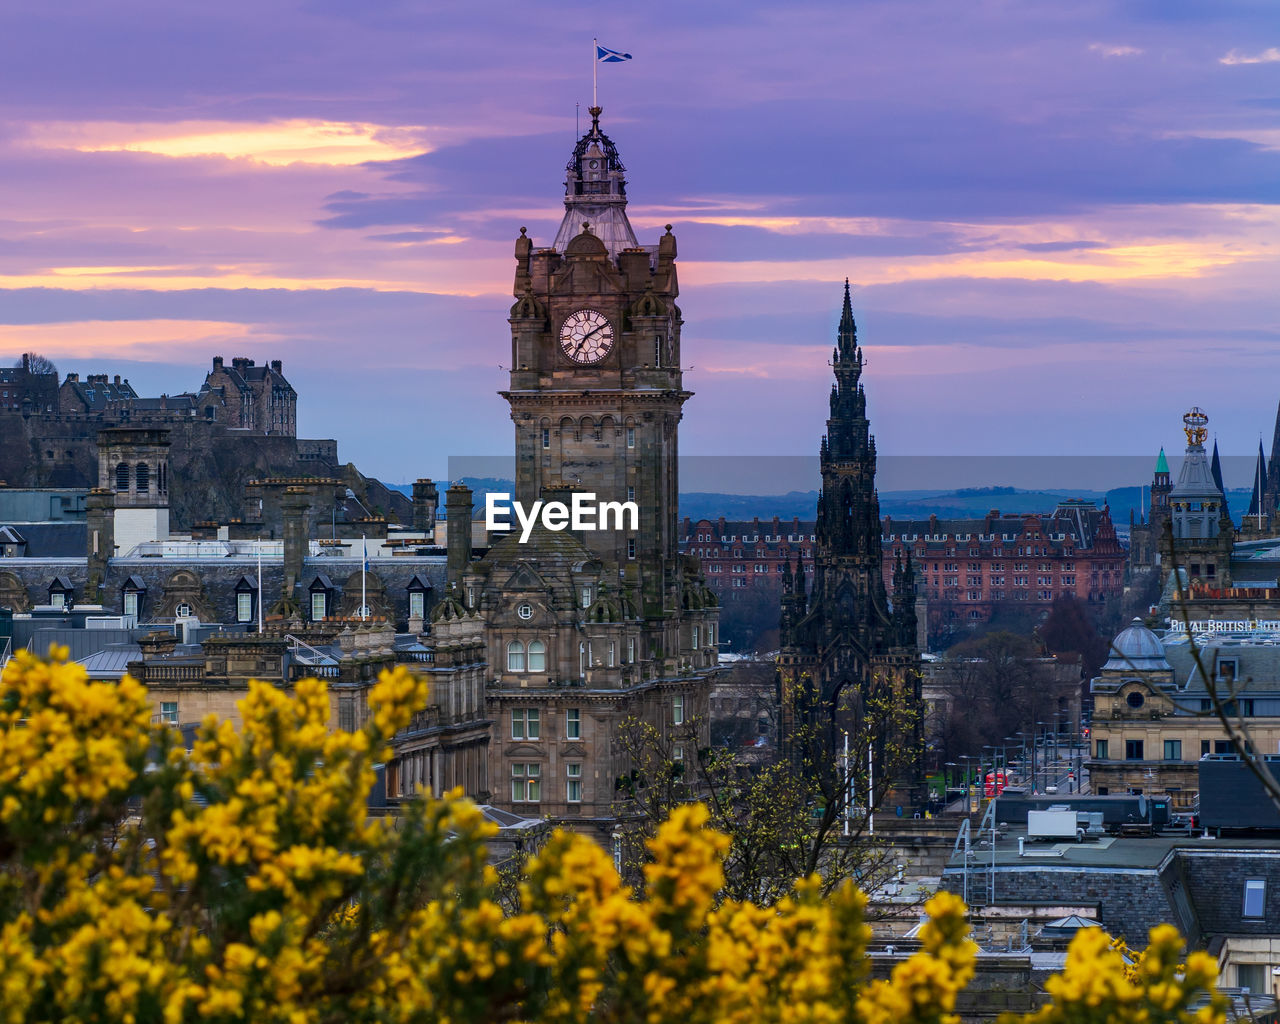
[
  {"x": 785, "y": 817},
  {"x": 37, "y": 364},
  {"x": 991, "y": 688},
  {"x": 1070, "y": 629},
  {"x": 243, "y": 881}
]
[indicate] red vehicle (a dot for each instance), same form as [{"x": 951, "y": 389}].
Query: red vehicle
[{"x": 994, "y": 784}]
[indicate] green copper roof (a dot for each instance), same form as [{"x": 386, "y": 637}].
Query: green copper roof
[{"x": 1162, "y": 466}]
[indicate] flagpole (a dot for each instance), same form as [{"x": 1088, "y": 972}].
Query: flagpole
[
  {"x": 364, "y": 565},
  {"x": 595, "y": 59},
  {"x": 259, "y": 586}
]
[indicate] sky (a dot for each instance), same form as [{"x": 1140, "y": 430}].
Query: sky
[{"x": 1059, "y": 221}]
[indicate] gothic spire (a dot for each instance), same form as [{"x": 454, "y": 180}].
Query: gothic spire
[
  {"x": 847, "y": 343},
  {"x": 1256, "y": 503},
  {"x": 1216, "y": 469}
]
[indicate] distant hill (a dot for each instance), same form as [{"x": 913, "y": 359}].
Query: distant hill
[{"x": 907, "y": 504}]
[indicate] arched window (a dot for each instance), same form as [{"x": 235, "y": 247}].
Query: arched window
[
  {"x": 143, "y": 476},
  {"x": 537, "y": 656},
  {"x": 515, "y": 656},
  {"x": 122, "y": 477}
]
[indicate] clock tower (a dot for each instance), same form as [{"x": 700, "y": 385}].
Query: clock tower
[{"x": 596, "y": 393}]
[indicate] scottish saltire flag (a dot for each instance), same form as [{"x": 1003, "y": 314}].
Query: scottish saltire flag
[{"x": 606, "y": 56}]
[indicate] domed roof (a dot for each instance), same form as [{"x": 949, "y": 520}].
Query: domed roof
[{"x": 1136, "y": 649}]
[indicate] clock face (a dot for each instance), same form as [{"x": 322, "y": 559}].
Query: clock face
[{"x": 586, "y": 336}]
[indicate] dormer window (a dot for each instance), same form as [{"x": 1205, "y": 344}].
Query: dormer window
[
  {"x": 417, "y": 590},
  {"x": 131, "y": 595},
  {"x": 322, "y": 593},
  {"x": 61, "y": 593},
  {"x": 246, "y": 599},
  {"x": 586, "y": 596}
]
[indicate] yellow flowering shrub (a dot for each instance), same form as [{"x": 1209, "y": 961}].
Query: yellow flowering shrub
[{"x": 243, "y": 881}]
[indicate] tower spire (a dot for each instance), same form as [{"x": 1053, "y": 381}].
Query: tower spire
[
  {"x": 595, "y": 192},
  {"x": 847, "y": 336}
]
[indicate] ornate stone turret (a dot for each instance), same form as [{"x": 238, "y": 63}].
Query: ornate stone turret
[
  {"x": 595, "y": 192},
  {"x": 1197, "y": 499}
]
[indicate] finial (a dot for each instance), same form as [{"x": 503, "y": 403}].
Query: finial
[
  {"x": 586, "y": 228},
  {"x": 595, "y": 113},
  {"x": 523, "y": 231},
  {"x": 668, "y": 229}
]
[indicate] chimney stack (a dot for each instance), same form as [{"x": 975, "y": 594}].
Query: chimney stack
[
  {"x": 457, "y": 504},
  {"x": 425, "y": 499}
]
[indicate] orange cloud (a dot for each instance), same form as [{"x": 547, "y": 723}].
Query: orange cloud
[{"x": 277, "y": 143}]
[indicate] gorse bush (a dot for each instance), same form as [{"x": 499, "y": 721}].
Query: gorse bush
[{"x": 244, "y": 881}]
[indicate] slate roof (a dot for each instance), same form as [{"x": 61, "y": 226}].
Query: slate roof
[
  {"x": 54, "y": 539},
  {"x": 111, "y": 662}
]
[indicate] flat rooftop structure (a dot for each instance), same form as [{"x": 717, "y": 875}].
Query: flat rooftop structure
[{"x": 1105, "y": 852}]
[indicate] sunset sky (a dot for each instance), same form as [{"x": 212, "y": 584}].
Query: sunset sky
[{"x": 1060, "y": 220}]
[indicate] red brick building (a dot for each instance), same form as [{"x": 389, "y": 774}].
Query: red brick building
[
  {"x": 739, "y": 553},
  {"x": 965, "y": 568}
]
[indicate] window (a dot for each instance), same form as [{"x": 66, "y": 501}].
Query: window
[
  {"x": 1102, "y": 754},
  {"x": 1135, "y": 699},
  {"x": 143, "y": 478},
  {"x": 122, "y": 477},
  {"x": 526, "y": 782},
  {"x": 1222, "y": 747},
  {"x": 525, "y": 611},
  {"x": 515, "y": 656},
  {"x": 631, "y": 547},
  {"x": 1255, "y": 897},
  {"x": 695, "y": 638},
  {"x": 347, "y": 714},
  {"x": 1133, "y": 750},
  {"x": 1252, "y": 977},
  {"x": 631, "y": 437},
  {"x": 631, "y": 650},
  {"x": 417, "y": 604},
  {"x": 537, "y": 656},
  {"x": 244, "y": 606},
  {"x": 526, "y": 724},
  {"x": 318, "y": 603},
  {"x": 612, "y": 654},
  {"x": 586, "y": 597},
  {"x": 131, "y": 602},
  {"x": 1173, "y": 750},
  {"x": 677, "y": 710},
  {"x": 573, "y": 724},
  {"x": 1204, "y": 747},
  {"x": 631, "y": 494},
  {"x": 183, "y": 611},
  {"x": 169, "y": 712},
  {"x": 546, "y": 437},
  {"x": 573, "y": 783}
]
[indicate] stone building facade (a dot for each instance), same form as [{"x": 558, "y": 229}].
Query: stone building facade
[
  {"x": 571, "y": 635},
  {"x": 1154, "y": 717},
  {"x": 239, "y": 425}
]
